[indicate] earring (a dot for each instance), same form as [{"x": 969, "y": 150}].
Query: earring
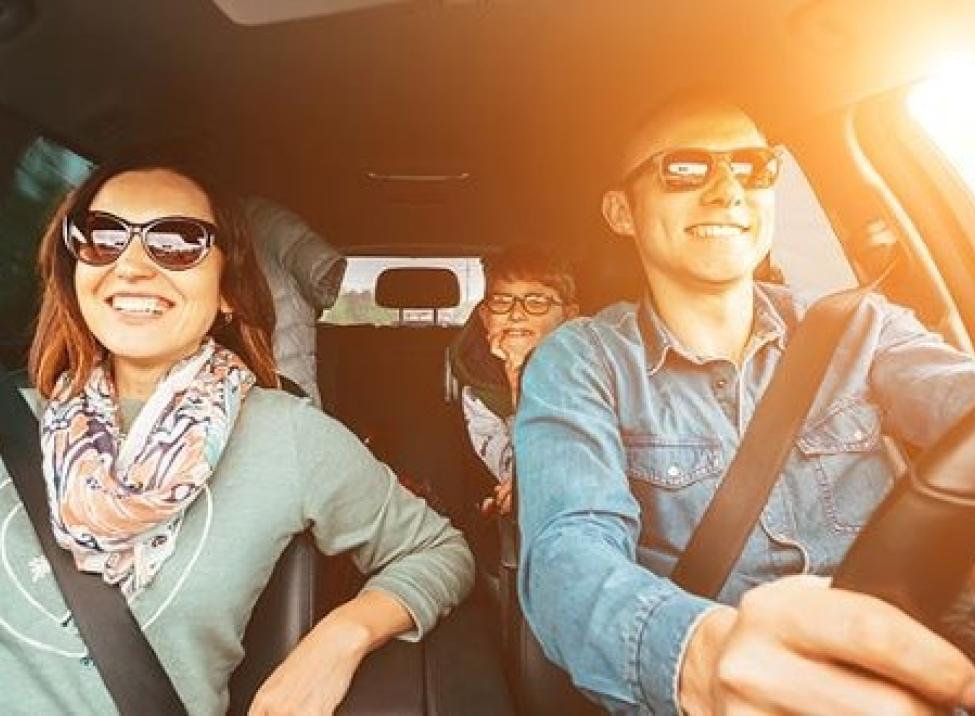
[{"x": 228, "y": 317}]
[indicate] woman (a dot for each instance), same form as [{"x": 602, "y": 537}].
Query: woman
[{"x": 177, "y": 471}]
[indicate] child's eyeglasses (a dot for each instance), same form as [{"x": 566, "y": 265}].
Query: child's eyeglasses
[{"x": 534, "y": 304}]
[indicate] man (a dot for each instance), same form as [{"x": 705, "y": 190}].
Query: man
[
  {"x": 619, "y": 425},
  {"x": 304, "y": 274},
  {"x": 529, "y": 292}
]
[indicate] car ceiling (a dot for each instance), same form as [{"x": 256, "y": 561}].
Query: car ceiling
[{"x": 514, "y": 105}]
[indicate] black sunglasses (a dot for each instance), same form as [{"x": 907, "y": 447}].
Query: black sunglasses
[
  {"x": 174, "y": 243},
  {"x": 685, "y": 169},
  {"x": 534, "y": 304}
]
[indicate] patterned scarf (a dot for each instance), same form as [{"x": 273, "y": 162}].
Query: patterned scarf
[{"x": 117, "y": 501}]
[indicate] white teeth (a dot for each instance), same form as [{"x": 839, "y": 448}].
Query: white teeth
[
  {"x": 716, "y": 231},
  {"x": 143, "y": 305}
]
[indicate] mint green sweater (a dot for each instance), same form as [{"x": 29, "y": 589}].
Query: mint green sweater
[{"x": 287, "y": 467}]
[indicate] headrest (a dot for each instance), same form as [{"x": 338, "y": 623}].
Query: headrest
[{"x": 417, "y": 288}]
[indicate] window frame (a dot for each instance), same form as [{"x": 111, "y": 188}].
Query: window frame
[{"x": 935, "y": 206}]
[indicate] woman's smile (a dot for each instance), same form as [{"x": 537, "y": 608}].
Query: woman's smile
[{"x": 140, "y": 312}]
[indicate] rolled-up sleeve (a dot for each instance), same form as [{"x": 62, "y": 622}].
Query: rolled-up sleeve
[
  {"x": 923, "y": 384},
  {"x": 354, "y": 503},
  {"x": 619, "y": 629}
]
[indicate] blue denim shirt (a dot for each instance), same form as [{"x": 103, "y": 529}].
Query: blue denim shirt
[{"x": 621, "y": 439}]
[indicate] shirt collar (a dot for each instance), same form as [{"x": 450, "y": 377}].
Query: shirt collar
[{"x": 658, "y": 340}]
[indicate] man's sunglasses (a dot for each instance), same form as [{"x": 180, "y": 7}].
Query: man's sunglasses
[
  {"x": 534, "y": 304},
  {"x": 685, "y": 169},
  {"x": 174, "y": 243}
]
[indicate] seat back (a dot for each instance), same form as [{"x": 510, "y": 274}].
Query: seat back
[
  {"x": 538, "y": 686},
  {"x": 284, "y": 613},
  {"x": 391, "y": 385}
]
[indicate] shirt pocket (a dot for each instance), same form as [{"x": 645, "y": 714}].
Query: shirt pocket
[
  {"x": 844, "y": 451},
  {"x": 671, "y": 462},
  {"x": 673, "y": 478}
]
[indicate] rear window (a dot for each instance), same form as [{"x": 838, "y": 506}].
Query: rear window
[{"x": 356, "y": 304}]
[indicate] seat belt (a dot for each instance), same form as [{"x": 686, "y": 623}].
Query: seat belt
[
  {"x": 125, "y": 660},
  {"x": 719, "y": 539}
]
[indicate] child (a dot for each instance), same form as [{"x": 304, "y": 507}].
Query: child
[{"x": 528, "y": 294}]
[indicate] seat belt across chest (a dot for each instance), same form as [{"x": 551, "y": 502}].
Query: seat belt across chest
[{"x": 129, "y": 667}]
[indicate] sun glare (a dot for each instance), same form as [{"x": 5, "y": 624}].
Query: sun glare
[{"x": 945, "y": 107}]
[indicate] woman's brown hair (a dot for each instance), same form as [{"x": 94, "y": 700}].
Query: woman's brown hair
[{"x": 63, "y": 341}]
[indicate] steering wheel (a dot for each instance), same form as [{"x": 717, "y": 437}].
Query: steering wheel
[{"x": 918, "y": 548}]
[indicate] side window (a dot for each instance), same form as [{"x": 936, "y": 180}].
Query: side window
[
  {"x": 805, "y": 248},
  {"x": 947, "y": 116},
  {"x": 44, "y": 173},
  {"x": 356, "y": 304}
]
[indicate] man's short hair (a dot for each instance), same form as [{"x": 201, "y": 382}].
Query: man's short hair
[
  {"x": 531, "y": 263},
  {"x": 681, "y": 103}
]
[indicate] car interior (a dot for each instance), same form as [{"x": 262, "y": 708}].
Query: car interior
[{"x": 435, "y": 130}]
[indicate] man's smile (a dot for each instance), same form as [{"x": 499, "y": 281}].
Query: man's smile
[{"x": 716, "y": 231}]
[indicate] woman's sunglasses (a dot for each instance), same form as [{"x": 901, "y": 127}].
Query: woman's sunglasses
[
  {"x": 174, "y": 243},
  {"x": 686, "y": 169}
]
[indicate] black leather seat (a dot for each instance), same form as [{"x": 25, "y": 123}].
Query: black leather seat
[
  {"x": 389, "y": 385},
  {"x": 454, "y": 670},
  {"x": 284, "y": 613},
  {"x": 282, "y": 616},
  {"x": 539, "y": 686}
]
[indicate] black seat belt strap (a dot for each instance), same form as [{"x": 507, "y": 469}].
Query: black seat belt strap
[
  {"x": 719, "y": 539},
  {"x": 124, "y": 658}
]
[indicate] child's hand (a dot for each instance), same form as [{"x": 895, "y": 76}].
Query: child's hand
[
  {"x": 500, "y": 502},
  {"x": 511, "y": 349},
  {"x": 503, "y": 496}
]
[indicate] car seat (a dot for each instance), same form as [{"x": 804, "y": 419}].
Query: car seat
[
  {"x": 539, "y": 686},
  {"x": 284, "y": 613}
]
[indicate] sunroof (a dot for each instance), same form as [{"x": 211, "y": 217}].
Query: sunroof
[{"x": 265, "y": 12}]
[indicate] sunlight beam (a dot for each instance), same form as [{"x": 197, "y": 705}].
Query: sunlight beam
[{"x": 944, "y": 106}]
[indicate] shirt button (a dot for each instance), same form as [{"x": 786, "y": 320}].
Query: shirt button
[
  {"x": 673, "y": 471},
  {"x": 720, "y": 383}
]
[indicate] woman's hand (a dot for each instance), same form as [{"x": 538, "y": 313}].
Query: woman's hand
[
  {"x": 315, "y": 677},
  {"x": 796, "y": 646}
]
